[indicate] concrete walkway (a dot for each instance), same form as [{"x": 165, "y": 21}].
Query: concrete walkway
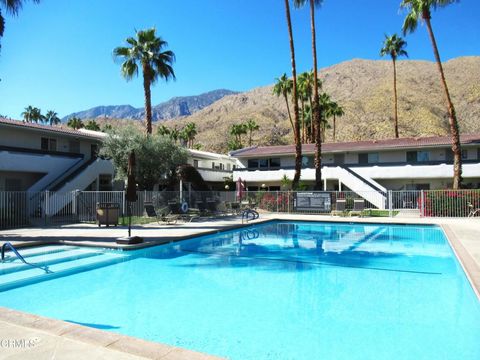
[{"x": 53, "y": 339}]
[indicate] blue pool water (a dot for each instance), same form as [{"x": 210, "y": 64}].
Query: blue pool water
[{"x": 281, "y": 290}]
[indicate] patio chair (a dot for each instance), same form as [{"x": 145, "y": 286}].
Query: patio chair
[
  {"x": 358, "y": 208},
  {"x": 473, "y": 211},
  {"x": 163, "y": 215},
  {"x": 340, "y": 207}
]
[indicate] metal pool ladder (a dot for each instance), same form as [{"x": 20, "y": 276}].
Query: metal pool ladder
[
  {"x": 14, "y": 250},
  {"x": 9, "y": 245}
]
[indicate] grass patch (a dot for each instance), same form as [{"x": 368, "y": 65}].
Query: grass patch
[{"x": 379, "y": 213}]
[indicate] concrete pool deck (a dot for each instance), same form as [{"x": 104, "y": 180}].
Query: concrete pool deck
[{"x": 50, "y": 339}]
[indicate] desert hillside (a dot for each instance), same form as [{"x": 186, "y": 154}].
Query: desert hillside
[{"x": 364, "y": 89}]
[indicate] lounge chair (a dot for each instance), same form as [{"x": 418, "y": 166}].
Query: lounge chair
[
  {"x": 473, "y": 211},
  {"x": 358, "y": 208},
  {"x": 340, "y": 207},
  {"x": 163, "y": 215}
]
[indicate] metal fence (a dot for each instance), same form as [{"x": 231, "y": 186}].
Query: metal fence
[{"x": 20, "y": 209}]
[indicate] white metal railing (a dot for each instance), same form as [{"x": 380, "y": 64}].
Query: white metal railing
[{"x": 20, "y": 209}]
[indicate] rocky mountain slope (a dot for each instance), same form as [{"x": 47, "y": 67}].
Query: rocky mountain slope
[
  {"x": 364, "y": 89},
  {"x": 173, "y": 108}
]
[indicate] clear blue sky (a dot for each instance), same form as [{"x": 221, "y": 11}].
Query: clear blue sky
[{"x": 57, "y": 54}]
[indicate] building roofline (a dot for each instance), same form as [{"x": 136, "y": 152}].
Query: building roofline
[
  {"x": 359, "y": 146},
  {"x": 61, "y": 130}
]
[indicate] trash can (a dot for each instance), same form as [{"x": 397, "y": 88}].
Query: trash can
[{"x": 107, "y": 213}]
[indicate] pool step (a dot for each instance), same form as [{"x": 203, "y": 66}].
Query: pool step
[
  {"x": 44, "y": 259},
  {"x": 33, "y": 275},
  {"x": 35, "y": 251}
]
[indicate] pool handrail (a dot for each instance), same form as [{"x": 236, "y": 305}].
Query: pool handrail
[
  {"x": 14, "y": 250},
  {"x": 246, "y": 212}
]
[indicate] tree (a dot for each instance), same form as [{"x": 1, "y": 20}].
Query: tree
[
  {"x": 394, "y": 46},
  {"x": 237, "y": 130},
  {"x": 317, "y": 118},
  {"x": 296, "y": 122},
  {"x": 190, "y": 131},
  {"x": 157, "y": 157},
  {"x": 283, "y": 87},
  {"x": 11, "y": 7},
  {"x": 32, "y": 114},
  {"x": 51, "y": 118},
  {"x": 251, "y": 126},
  {"x": 421, "y": 10},
  {"x": 174, "y": 135},
  {"x": 92, "y": 125},
  {"x": 163, "y": 130},
  {"x": 107, "y": 128},
  {"x": 75, "y": 123},
  {"x": 325, "y": 106},
  {"x": 146, "y": 51},
  {"x": 334, "y": 110}
]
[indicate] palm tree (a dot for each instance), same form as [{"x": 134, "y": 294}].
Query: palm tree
[
  {"x": 283, "y": 87},
  {"x": 146, "y": 51},
  {"x": 163, "y": 130},
  {"x": 75, "y": 123},
  {"x": 174, "y": 134},
  {"x": 296, "y": 123},
  {"x": 237, "y": 130},
  {"x": 32, "y": 114},
  {"x": 12, "y": 7},
  {"x": 335, "y": 110},
  {"x": 92, "y": 125},
  {"x": 27, "y": 114},
  {"x": 51, "y": 117},
  {"x": 190, "y": 131},
  {"x": 251, "y": 125},
  {"x": 317, "y": 118},
  {"x": 421, "y": 10},
  {"x": 394, "y": 46},
  {"x": 325, "y": 106},
  {"x": 304, "y": 91}
]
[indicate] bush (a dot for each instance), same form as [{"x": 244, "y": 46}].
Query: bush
[{"x": 449, "y": 203}]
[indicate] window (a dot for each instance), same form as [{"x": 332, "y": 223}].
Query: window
[
  {"x": 418, "y": 156},
  {"x": 363, "y": 158},
  {"x": 411, "y": 156},
  {"x": 423, "y": 156},
  {"x": 252, "y": 163},
  {"x": 213, "y": 165},
  {"x": 263, "y": 163},
  {"x": 74, "y": 146},
  {"x": 307, "y": 161},
  {"x": 12, "y": 184},
  {"x": 464, "y": 154},
  {"x": 373, "y": 158},
  {"x": 48, "y": 144},
  {"x": 44, "y": 145},
  {"x": 195, "y": 163},
  {"x": 274, "y": 163}
]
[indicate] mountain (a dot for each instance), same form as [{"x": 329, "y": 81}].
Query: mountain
[
  {"x": 364, "y": 89},
  {"x": 175, "y": 107}
]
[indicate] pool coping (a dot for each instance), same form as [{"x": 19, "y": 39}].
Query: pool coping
[
  {"x": 98, "y": 338},
  {"x": 468, "y": 264},
  {"x": 155, "y": 350}
]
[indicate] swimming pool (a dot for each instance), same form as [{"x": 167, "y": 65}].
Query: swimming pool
[{"x": 280, "y": 290}]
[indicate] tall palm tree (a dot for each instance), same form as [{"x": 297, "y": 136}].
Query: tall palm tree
[
  {"x": 283, "y": 87},
  {"x": 11, "y": 7},
  {"x": 146, "y": 51},
  {"x": 51, "y": 117},
  {"x": 296, "y": 123},
  {"x": 325, "y": 106},
  {"x": 421, "y": 10},
  {"x": 237, "y": 130},
  {"x": 75, "y": 123},
  {"x": 394, "y": 46},
  {"x": 251, "y": 125},
  {"x": 334, "y": 111},
  {"x": 27, "y": 114},
  {"x": 305, "y": 88},
  {"x": 174, "y": 134},
  {"x": 317, "y": 118},
  {"x": 190, "y": 131}
]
